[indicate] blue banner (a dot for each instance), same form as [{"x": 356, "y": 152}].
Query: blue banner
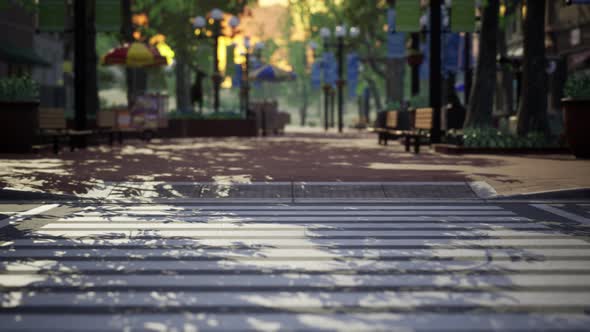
[
  {"x": 352, "y": 71},
  {"x": 236, "y": 80},
  {"x": 451, "y": 53},
  {"x": 396, "y": 41},
  {"x": 316, "y": 75},
  {"x": 329, "y": 68}
]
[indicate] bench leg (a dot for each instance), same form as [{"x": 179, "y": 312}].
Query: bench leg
[
  {"x": 111, "y": 138},
  {"x": 120, "y": 138},
  {"x": 72, "y": 143},
  {"x": 407, "y": 142},
  {"x": 55, "y": 144},
  {"x": 379, "y": 138},
  {"x": 417, "y": 144}
]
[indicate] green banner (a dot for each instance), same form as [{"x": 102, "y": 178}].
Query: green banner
[
  {"x": 407, "y": 15},
  {"x": 229, "y": 60},
  {"x": 463, "y": 16},
  {"x": 108, "y": 15},
  {"x": 52, "y": 15}
]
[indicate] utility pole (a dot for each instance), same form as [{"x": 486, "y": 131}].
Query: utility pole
[
  {"x": 435, "y": 68},
  {"x": 85, "y": 89},
  {"x": 340, "y": 83},
  {"x": 467, "y": 70},
  {"x": 415, "y": 67}
]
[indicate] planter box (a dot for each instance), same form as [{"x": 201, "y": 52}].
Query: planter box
[
  {"x": 209, "y": 128},
  {"x": 576, "y": 116},
  {"x": 19, "y": 126},
  {"x": 457, "y": 149}
]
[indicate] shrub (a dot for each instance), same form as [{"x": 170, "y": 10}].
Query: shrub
[
  {"x": 18, "y": 89},
  {"x": 577, "y": 86}
]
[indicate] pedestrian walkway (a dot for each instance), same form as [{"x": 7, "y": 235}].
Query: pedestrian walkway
[
  {"x": 295, "y": 157},
  {"x": 289, "y": 192},
  {"x": 231, "y": 265}
]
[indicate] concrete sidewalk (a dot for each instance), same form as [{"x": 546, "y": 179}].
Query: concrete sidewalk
[{"x": 303, "y": 156}]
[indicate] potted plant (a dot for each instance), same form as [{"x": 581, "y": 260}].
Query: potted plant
[
  {"x": 576, "y": 114},
  {"x": 19, "y": 118}
]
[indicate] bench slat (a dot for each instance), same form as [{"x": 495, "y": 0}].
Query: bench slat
[{"x": 52, "y": 118}]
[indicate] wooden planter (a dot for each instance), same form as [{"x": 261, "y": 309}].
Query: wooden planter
[
  {"x": 210, "y": 128},
  {"x": 576, "y": 116},
  {"x": 19, "y": 126}
]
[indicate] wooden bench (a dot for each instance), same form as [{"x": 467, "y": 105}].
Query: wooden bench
[
  {"x": 389, "y": 128},
  {"x": 420, "y": 129},
  {"x": 52, "y": 124},
  {"x": 105, "y": 123}
]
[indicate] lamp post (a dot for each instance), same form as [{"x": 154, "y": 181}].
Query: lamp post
[
  {"x": 216, "y": 17},
  {"x": 340, "y": 45}
]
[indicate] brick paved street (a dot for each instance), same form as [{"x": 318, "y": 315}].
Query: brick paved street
[{"x": 298, "y": 156}]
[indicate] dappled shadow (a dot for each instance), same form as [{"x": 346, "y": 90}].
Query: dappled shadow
[
  {"x": 255, "y": 268},
  {"x": 292, "y": 158}
]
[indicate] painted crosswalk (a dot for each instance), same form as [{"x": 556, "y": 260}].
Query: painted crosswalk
[{"x": 269, "y": 267}]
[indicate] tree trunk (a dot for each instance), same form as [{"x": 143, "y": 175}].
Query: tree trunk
[
  {"x": 182, "y": 85},
  {"x": 479, "y": 113},
  {"x": 532, "y": 111},
  {"x": 303, "y": 110},
  {"x": 394, "y": 78},
  {"x": 375, "y": 93},
  {"x": 127, "y": 37},
  {"x": 505, "y": 97}
]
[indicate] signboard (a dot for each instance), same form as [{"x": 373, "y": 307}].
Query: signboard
[
  {"x": 408, "y": 15},
  {"x": 52, "y": 15},
  {"x": 463, "y": 16},
  {"x": 108, "y": 15}
]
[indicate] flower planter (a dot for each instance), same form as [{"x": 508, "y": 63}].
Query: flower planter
[
  {"x": 415, "y": 59},
  {"x": 210, "y": 128},
  {"x": 576, "y": 115},
  {"x": 19, "y": 126}
]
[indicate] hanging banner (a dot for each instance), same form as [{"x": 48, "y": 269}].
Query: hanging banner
[
  {"x": 425, "y": 66},
  {"x": 463, "y": 16},
  {"x": 408, "y": 15},
  {"x": 236, "y": 78},
  {"x": 108, "y": 15},
  {"x": 329, "y": 68},
  {"x": 52, "y": 15},
  {"x": 396, "y": 40},
  {"x": 352, "y": 71},
  {"x": 316, "y": 75},
  {"x": 229, "y": 60},
  {"x": 452, "y": 45}
]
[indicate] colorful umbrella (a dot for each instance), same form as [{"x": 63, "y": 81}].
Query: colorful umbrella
[
  {"x": 271, "y": 73},
  {"x": 134, "y": 55}
]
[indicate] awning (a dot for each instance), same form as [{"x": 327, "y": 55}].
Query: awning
[{"x": 26, "y": 56}]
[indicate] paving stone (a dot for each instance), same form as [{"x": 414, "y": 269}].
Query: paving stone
[
  {"x": 339, "y": 191},
  {"x": 245, "y": 191},
  {"x": 428, "y": 191}
]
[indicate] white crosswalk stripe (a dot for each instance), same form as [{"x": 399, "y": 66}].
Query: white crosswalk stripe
[{"x": 230, "y": 266}]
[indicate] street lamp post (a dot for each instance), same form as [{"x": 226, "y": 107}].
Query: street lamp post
[
  {"x": 340, "y": 33},
  {"x": 216, "y": 17}
]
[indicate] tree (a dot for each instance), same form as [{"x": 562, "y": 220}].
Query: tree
[
  {"x": 173, "y": 19},
  {"x": 479, "y": 112},
  {"x": 532, "y": 111}
]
